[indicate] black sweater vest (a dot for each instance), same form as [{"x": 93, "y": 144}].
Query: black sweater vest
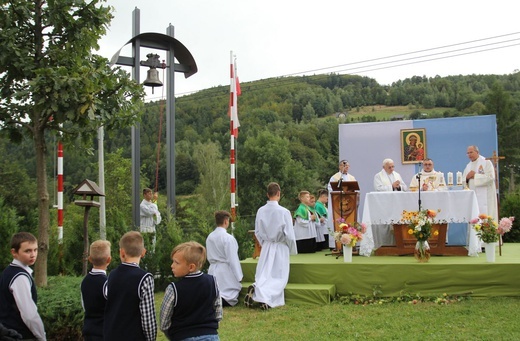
[
  {"x": 94, "y": 303},
  {"x": 9, "y": 314}
]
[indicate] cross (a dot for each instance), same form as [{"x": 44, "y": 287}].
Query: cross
[{"x": 495, "y": 159}]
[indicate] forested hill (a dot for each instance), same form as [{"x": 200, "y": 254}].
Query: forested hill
[{"x": 288, "y": 133}]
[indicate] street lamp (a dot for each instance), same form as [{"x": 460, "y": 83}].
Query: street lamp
[{"x": 175, "y": 50}]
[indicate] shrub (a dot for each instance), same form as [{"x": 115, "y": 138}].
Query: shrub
[{"x": 59, "y": 305}]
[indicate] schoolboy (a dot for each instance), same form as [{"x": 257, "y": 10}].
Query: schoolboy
[
  {"x": 92, "y": 298},
  {"x": 130, "y": 307},
  {"x": 192, "y": 307},
  {"x": 18, "y": 294},
  {"x": 224, "y": 264}
]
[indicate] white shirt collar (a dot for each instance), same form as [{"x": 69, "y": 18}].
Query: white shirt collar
[{"x": 23, "y": 266}]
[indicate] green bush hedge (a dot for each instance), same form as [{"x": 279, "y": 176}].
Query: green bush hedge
[{"x": 59, "y": 305}]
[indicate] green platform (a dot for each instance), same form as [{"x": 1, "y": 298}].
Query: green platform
[
  {"x": 302, "y": 293},
  {"x": 394, "y": 275}
]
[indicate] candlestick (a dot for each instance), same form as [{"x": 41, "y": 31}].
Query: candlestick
[{"x": 450, "y": 179}]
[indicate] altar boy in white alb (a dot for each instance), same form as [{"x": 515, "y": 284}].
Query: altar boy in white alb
[
  {"x": 222, "y": 249},
  {"x": 480, "y": 177},
  {"x": 275, "y": 233}
]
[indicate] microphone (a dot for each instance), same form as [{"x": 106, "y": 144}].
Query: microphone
[{"x": 339, "y": 181}]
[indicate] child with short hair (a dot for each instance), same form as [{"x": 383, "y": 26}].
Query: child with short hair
[
  {"x": 305, "y": 225},
  {"x": 18, "y": 294},
  {"x": 192, "y": 307},
  {"x": 321, "y": 211},
  {"x": 92, "y": 286},
  {"x": 130, "y": 307},
  {"x": 224, "y": 264}
]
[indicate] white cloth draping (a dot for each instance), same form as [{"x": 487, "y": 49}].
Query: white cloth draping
[
  {"x": 274, "y": 231},
  {"x": 222, "y": 250},
  {"x": 387, "y": 208}
]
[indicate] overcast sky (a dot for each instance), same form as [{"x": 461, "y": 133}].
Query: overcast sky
[{"x": 273, "y": 38}]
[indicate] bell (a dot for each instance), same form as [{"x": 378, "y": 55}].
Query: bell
[{"x": 152, "y": 79}]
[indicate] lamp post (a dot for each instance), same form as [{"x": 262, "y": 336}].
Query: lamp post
[{"x": 175, "y": 50}]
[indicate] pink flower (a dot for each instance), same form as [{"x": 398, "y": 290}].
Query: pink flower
[
  {"x": 345, "y": 239},
  {"x": 505, "y": 225},
  {"x": 474, "y": 221}
]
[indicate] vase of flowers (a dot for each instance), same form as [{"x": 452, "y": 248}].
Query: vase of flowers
[
  {"x": 349, "y": 234},
  {"x": 420, "y": 226},
  {"x": 490, "y": 232}
]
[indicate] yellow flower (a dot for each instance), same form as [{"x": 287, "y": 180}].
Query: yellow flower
[
  {"x": 410, "y": 231},
  {"x": 436, "y": 233}
]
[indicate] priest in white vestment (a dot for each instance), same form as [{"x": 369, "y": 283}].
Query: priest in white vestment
[
  {"x": 222, "y": 253},
  {"x": 387, "y": 179},
  {"x": 342, "y": 175},
  {"x": 275, "y": 233},
  {"x": 480, "y": 177},
  {"x": 430, "y": 179}
]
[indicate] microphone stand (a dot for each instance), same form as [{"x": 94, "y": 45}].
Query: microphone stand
[{"x": 418, "y": 177}]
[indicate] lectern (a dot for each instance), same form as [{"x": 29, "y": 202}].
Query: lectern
[{"x": 345, "y": 201}]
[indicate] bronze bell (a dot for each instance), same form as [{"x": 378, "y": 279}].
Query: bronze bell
[{"x": 152, "y": 78}]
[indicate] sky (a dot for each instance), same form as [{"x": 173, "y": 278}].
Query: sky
[{"x": 275, "y": 38}]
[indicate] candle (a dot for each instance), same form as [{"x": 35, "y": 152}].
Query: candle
[
  {"x": 450, "y": 179},
  {"x": 459, "y": 178},
  {"x": 442, "y": 182}
]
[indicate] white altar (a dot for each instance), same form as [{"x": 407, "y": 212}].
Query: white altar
[{"x": 385, "y": 208}]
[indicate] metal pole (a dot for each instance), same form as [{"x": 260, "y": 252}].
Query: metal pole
[
  {"x": 136, "y": 136},
  {"x": 101, "y": 182},
  {"x": 170, "y": 124}
]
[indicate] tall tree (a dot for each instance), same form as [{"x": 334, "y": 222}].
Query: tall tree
[{"x": 50, "y": 81}]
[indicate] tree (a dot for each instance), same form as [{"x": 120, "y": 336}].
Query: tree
[{"x": 51, "y": 82}]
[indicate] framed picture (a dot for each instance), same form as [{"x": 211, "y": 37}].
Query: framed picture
[{"x": 413, "y": 145}]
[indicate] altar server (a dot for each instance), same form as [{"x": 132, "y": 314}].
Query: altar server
[
  {"x": 275, "y": 233},
  {"x": 222, "y": 249},
  {"x": 429, "y": 177},
  {"x": 480, "y": 177},
  {"x": 305, "y": 225},
  {"x": 387, "y": 179}
]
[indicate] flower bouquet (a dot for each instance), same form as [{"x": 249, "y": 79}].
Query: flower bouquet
[
  {"x": 486, "y": 227},
  {"x": 489, "y": 230},
  {"x": 349, "y": 234},
  {"x": 420, "y": 226}
]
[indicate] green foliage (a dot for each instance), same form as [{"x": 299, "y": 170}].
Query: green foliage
[
  {"x": 378, "y": 298},
  {"x": 59, "y": 305},
  {"x": 8, "y": 226},
  {"x": 510, "y": 207}
]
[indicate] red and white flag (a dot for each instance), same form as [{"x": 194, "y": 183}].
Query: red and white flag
[{"x": 234, "y": 92}]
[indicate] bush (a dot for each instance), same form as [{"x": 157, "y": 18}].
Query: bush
[
  {"x": 59, "y": 305},
  {"x": 510, "y": 206}
]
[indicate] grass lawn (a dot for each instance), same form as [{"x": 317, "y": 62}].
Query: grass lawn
[{"x": 473, "y": 319}]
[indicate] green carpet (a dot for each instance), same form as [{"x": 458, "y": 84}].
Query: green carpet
[{"x": 395, "y": 275}]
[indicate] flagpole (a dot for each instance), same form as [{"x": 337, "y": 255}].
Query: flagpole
[{"x": 232, "y": 108}]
